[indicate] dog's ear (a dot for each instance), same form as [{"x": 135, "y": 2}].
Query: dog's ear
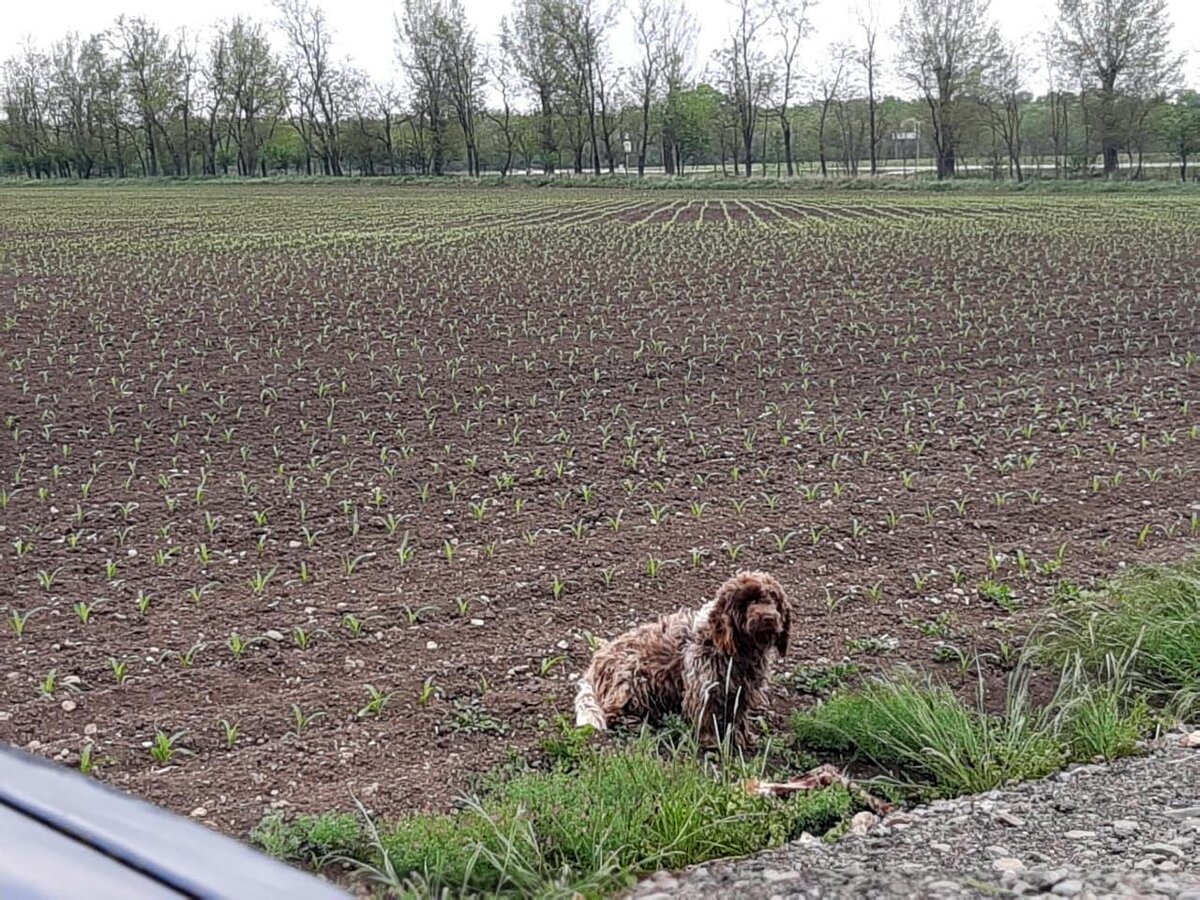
[
  {"x": 721, "y": 627},
  {"x": 785, "y": 617},
  {"x": 725, "y": 620}
]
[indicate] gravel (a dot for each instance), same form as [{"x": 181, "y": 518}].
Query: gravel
[{"x": 1129, "y": 829}]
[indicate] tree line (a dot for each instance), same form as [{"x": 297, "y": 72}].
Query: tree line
[{"x": 546, "y": 94}]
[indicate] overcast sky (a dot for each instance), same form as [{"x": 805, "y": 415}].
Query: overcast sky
[{"x": 363, "y": 29}]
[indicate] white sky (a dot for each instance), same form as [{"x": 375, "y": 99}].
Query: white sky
[{"x": 363, "y": 29}]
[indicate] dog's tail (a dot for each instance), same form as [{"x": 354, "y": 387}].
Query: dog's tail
[{"x": 587, "y": 708}]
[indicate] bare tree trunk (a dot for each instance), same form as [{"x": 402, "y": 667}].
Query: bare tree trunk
[{"x": 786, "y": 126}]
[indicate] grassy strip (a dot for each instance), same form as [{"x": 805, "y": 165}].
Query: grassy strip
[
  {"x": 589, "y": 826},
  {"x": 1128, "y": 656}
]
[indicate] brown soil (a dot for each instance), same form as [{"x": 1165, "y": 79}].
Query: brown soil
[{"x": 902, "y": 394}]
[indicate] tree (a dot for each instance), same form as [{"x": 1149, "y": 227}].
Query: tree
[
  {"x": 676, "y": 49},
  {"x": 946, "y": 46},
  {"x": 499, "y": 65},
  {"x": 745, "y": 67},
  {"x": 580, "y": 27},
  {"x": 420, "y": 48},
  {"x": 314, "y": 78},
  {"x": 648, "y": 26},
  {"x": 1058, "y": 101},
  {"x": 791, "y": 21},
  {"x": 69, "y": 103},
  {"x": 696, "y": 110},
  {"x": 463, "y": 74},
  {"x": 829, "y": 83},
  {"x": 1003, "y": 98},
  {"x": 665, "y": 31},
  {"x": 217, "y": 103},
  {"x": 25, "y": 77},
  {"x": 253, "y": 82},
  {"x": 867, "y": 56},
  {"x": 151, "y": 81},
  {"x": 1180, "y": 129},
  {"x": 186, "y": 77},
  {"x": 535, "y": 49},
  {"x": 1115, "y": 43}
]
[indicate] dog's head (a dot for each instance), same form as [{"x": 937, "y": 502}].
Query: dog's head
[{"x": 751, "y": 613}]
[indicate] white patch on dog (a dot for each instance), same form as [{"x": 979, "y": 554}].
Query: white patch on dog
[{"x": 587, "y": 709}]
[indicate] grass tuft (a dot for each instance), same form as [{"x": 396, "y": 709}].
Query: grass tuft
[
  {"x": 920, "y": 731},
  {"x": 1150, "y": 619}
]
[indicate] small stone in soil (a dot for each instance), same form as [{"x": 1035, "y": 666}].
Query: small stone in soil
[
  {"x": 1163, "y": 850},
  {"x": 1069, "y": 888},
  {"x": 1125, "y": 827},
  {"x": 1008, "y": 864}
]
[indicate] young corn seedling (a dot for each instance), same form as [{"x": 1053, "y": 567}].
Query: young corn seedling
[
  {"x": 237, "y": 645},
  {"x": 413, "y": 614},
  {"x": 558, "y": 587},
  {"x": 164, "y": 746},
  {"x": 90, "y": 761},
  {"x": 18, "y": 620},
  {"x": 259, "y": 581},
  {"x": 428, "y": 692},
  {"x": 84, "y": 610},
  {"x": 376, "y": 701},
  {"x": 302, "y": 721},
  {"x": 782, "y": 541},
  {"x": 351, "y": 563},
  {"x": 120, "y": 670}
]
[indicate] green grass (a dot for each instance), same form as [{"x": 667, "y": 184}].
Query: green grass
[
  {"x": 1126, "y": 658},
  {"x": 1150, "y": 619},
  {"x": 590, "y": 825},
  {"x": 920, "y": 731}
]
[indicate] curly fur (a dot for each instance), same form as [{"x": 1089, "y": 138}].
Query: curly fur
[{"x": 712, "y": 665}]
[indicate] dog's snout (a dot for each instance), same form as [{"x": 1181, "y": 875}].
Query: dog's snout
[{"x": 767, "y": 619}]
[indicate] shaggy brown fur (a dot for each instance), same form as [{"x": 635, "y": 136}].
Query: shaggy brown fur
[{"x": 711, "y": 664}]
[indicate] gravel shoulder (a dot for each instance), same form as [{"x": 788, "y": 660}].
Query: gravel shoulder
[{"x": 1129, "y": 829}]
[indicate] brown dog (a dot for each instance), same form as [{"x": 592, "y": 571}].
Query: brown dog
[{"x": 711, "y": 664}]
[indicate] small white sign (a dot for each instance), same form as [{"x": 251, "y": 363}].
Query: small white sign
[
  {"x": 628, "y": 146},
  {"x": 906, "y": 135}
]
